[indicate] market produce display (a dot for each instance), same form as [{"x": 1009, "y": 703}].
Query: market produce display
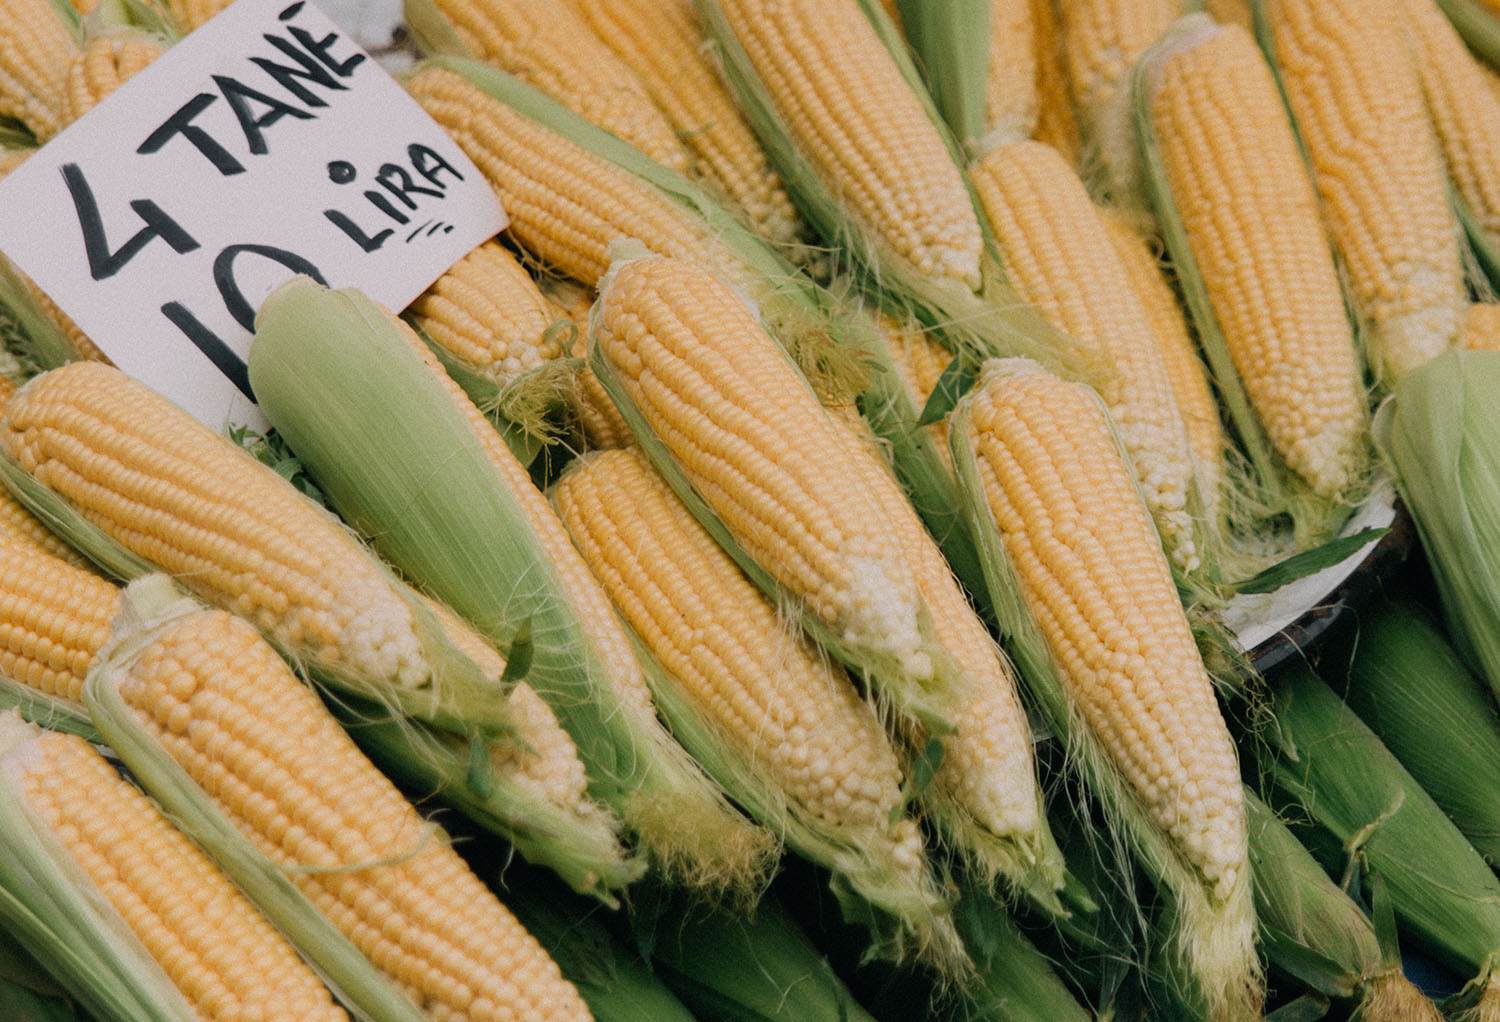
[{"x": 799, "y": 568}]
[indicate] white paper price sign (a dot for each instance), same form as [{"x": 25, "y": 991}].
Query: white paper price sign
[{"x": 263, "y": 145}]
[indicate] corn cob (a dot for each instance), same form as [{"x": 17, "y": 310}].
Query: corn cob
[
  {"x": 598, "y": 420},
  {"x": 36, "y": 48},
  {"x": 862, "y": 127},
  {"x": 551, "y": 47},
  {"x": 1236, "y": 184},
  {"x": 106, "y": 63},
  {"x": 1185, "y": 369},
  {"x": 453, "y": 508},
  {"x": 790, "y": 735},
  {"x": 140, "y": 473},
  {"x": 1057, "y": 255},
  {"x": 1011, "y": 88},
  {"x": 1357, "y": 101},
  {"x": 17, "y": 523},
  {"x": 1480, "y": 330},
  {"x": 191, "y": 14},
  {"x": 219, "y": 957},
  {"x": 662, "y": 42},
  {"x": 1056, "y": 120},
  {"x": 1038, "y": 461},
  {"x": 54, "y": 619},
  {"x": 488, "y": 313},
  {"x": 747, "y": 437},
  {"x": 214, "y": 698}
]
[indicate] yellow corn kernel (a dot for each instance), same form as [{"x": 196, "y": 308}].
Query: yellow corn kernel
[
  {"x": 550, "y": 46},
  {"x": 488, "y": 312},
  {"x": 36, "y": 50},
  {"x": 1010, "y": 94},
  {"x": 228, "y": 527},
  {"x": 1465, "y": 108},
  {"x": 781, "y": 705},
  {"x": 855, "y": 117},
  {"x": 1354, "y": 92},
  {"x": 54, "y": 619},
  {"x": 106, "y": 63},
  {"x": 1481, "y": 327},
  {"x": 214, "y": 945},
  {"x": 1056, "y": 120},
  {"x": 191, "y": 14},
  {"x": 1252, "y": 219},
  {"x": 753, "y": 440},
  {"x": 1185, "y": 370},
  {"x": 662, "y": 41},
  {"x": 230, "y": 711},
  {"x": 566, "y": 205},
  {"x": 1058, "y": 256}
]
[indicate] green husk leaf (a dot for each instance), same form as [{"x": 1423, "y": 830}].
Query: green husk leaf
[
  {"x": 956, "y": 381},
  {"x": 1410, "y": 687},
  {"x": 1324, "y": 762},
  {"x": 394, "y": 453},
  {"x": 31, "y": 330},
  {"x": 49, "y": 712},
  {"x": 1307, "y": 1008},
  {"x": 950, "y": 39},
  {"x": 149, "y": 606},
  {"x": 1212, "y": 943},
  {"x": 1478, "y": 26},
  {"x": 1484, "y": 248},
  {"x": 1310, "y": 562}
]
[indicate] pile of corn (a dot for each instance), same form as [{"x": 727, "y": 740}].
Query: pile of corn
[{"x": 830, "y": 486}]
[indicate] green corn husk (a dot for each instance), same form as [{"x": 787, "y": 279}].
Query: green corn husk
[
  {"x": 951, "y": 42},
  {"x": 1439, "y": 437},
  {"x": 1409, "y": 686},
  {"x": 392, "y": 451},
  {"x": 26, "y": 327},
  {"x": 1313, "y": 930},
  {"x": 1323, "y": 764},
  {"x": 1211, "y": 962},
  {"x": 150, "y": 605},
  {"x": 47, "y": 711},
  {"x": 47, "y": 905},
  {"x": 833, "y": 343},
  {"x": 1479, "y": 26},
  {"x": 1269, "y": 488}
]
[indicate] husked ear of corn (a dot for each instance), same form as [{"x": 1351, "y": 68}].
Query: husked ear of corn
[
  {"x": 1057, "y": 254},
  {"x": 36, "y": 48},
  {"x": 447, "y": 502},
  {"x": 137, "y": 482},
  {"x": 1480, "y": 330},
  {"x": 1241, "y": 220},
  {"x": 107, "y": 62},
  {"x": 1354, "y": 91},
  {"x": 785, "y": 732},
  {"x": 738, "y": 433},
  {"x": 234, "y": 745},
  {"x": 663, "y": 42},
  {"x": 191, "y": 14},
  {"x": 1106, "y": 647},
  {"x": 550, "y": 46},
  {"x": 123, "y": 908}
]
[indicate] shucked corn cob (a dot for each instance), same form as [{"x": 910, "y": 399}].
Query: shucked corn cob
[
  {"x": 1354, "y": 91},
  {"x": 221, "y": 959},
  {"x": 1058, "y": 256},
  {"x": 663, "y": 42},
  {"x": 445, "y": 500},
  {"x": 1039, "y": 461},
  {"x": 550, "y": 46},
  {"x": 1238, "y": 187},
  {"x": 107, "y": 62},
  {"x": 219, "y": 701},
  {"x": 54, "y": 619},
  {"x": 749, "y": 438},
  {"x": 1012, "y": 85},
  {"x": 36, "y": 49}
]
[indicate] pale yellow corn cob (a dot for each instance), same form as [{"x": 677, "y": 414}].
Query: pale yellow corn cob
[
  {"x": 227, "y": 960},
  {"x": 857, "y": 120},
  {"x": 1251, "y": 216},
  {"x": 919, "y": 361},
  {"x": 36, "y": 49},
  {"x": 598, "y": 420},
  {"x": 1185, "y": 369},
  {"x": 1058, "y": 256},
  {"x": 54, "y": 619},
  {"x": 228, "y": 527},
  {"x": 566, "y": 205},
  {"x": 662, "y": 41},
  {"x": 753, "y": 440},
  {"x": 1353, "y": 89},
  {"x": 227, "y": 708},
  {"x": 18, "y": 523},
  {"x": 488, "y": 312},
  {"x": 1056, "y": 121},
  {"x": 1106, "y": 605},
  {"x": 1465, "y": 108},
  {"x": 1102, "y": 40},
  {"x": 191, "y": 14},
  {"x": 550, "y": 46},
  {"x": 106, "y": 63},
  {"x": 779, "y": 704},
  {"x": 1010, "y": 94},
  {"x": 1481, "y": 327}
]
